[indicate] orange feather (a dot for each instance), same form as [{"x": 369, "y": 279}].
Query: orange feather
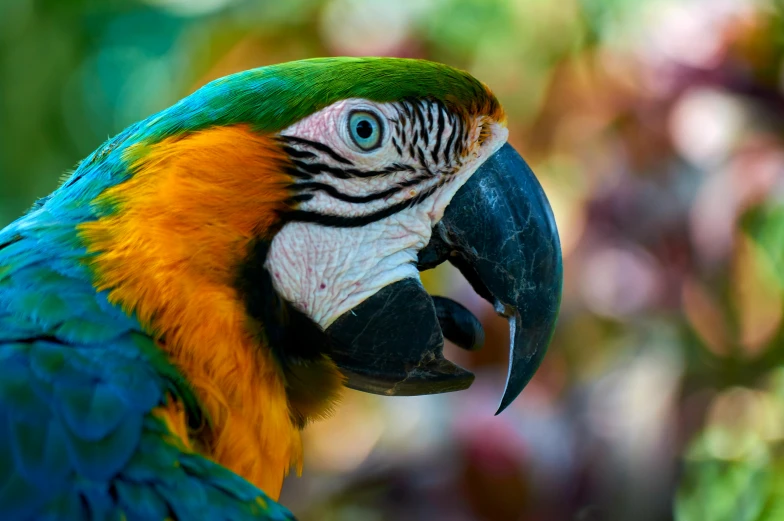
[{"x": 169, "y": 253}]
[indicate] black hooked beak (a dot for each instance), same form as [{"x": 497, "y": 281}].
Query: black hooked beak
[{"x": 499, "y": 231}]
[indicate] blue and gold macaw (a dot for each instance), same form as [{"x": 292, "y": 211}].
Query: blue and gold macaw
[{"x": 204, "y": 284}]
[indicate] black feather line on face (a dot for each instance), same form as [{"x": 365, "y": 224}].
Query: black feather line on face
[
  {"x": 308, "y": 170},
  {"x": 421, "y": 121},
  {"x": 337, "y": 194},
  {"x": 439, "y": 132},
  {"x": 341, "y": 221},
  {"x": 402, "y": 126},
  {"x": 293, "y": 171},
  {"x": 321, "y": 147},
  {"x": 298, "y": 154},
  {"x": 415, "y": 181},
  {"x": 407, "y": 108},
  {"x": 397, "y": 147},
  {"x": 421, "y": 157},
  {"x": 300, "y": 198},
  {"x": 460, "y": 137},
  {"x": 448, "y": 150}
]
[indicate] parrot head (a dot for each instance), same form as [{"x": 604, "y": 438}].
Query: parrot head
[{"x": 295, "y": 205}]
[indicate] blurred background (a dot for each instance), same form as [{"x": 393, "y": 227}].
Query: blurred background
[{"x": 657, "y": 130}]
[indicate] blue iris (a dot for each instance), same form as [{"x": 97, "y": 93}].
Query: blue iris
[{"x": 365, "y": 129}]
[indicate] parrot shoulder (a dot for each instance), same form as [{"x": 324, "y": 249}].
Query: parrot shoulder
[{"x": 84, "y": 395}]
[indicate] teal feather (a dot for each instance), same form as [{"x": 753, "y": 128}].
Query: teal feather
[
  {"x": 39, "y": 451},
  {"x": 48, "y": 310},
  {"x": 19, "y": 498},
  {"x": 142, "y": 501},
  {"x": 153, "y": 462},
  {"x": 7, "y": 460},
  {"x": 66, "y": 507},
  {"x": 92, "y": 411},
  {"x": 186, "y": 495},
  {"x": 87, "y": 331},
  {"x": 100, "y": 460},
  {"x": 24, "y": 403},
  {"x": 13, "y": 327},
  {"x": 47, "y": 361},
  {"x": 98, "y": 498}
]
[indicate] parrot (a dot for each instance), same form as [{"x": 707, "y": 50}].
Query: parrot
[{"x": 204, "y": 284}]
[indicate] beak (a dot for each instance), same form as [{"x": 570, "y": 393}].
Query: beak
[{"x": 499, "y": 231}]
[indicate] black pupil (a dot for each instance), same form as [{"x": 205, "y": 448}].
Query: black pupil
[{"x": 364, "y": 129}]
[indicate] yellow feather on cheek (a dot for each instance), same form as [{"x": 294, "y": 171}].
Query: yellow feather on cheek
[{"x": 169, "y": 253}]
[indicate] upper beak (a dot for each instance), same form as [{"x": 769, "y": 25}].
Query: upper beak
[{"x": 499, "y": 231}]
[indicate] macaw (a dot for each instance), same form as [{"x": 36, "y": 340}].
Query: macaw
[{"x": 203, "y": 284}]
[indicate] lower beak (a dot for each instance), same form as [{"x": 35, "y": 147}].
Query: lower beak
[{"x": 499, "y": 231}]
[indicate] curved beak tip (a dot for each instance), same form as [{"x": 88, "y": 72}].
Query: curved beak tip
[{"x": 500, "y": 232}]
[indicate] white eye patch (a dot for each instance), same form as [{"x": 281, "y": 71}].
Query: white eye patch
[{"x": 363, "y": 214}]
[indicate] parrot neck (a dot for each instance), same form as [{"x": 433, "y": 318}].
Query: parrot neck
[{"x": 168, "y": 252}]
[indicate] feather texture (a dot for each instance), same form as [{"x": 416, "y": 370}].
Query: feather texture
[
  {"x": 79, "y": 385},
  {"x": 175, "y": 269}
]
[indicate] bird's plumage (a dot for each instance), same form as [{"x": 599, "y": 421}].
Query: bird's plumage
[
  {"x": 152, "y": 364},
  {"x": 274, "y": 97},
  {"x": 84, "y": 432}
]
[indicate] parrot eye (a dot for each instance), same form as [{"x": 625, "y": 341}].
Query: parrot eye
[{"x": 365, "y": 129}]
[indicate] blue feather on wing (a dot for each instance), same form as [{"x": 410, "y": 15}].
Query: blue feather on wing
[{"x": 78, "y": 382}]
